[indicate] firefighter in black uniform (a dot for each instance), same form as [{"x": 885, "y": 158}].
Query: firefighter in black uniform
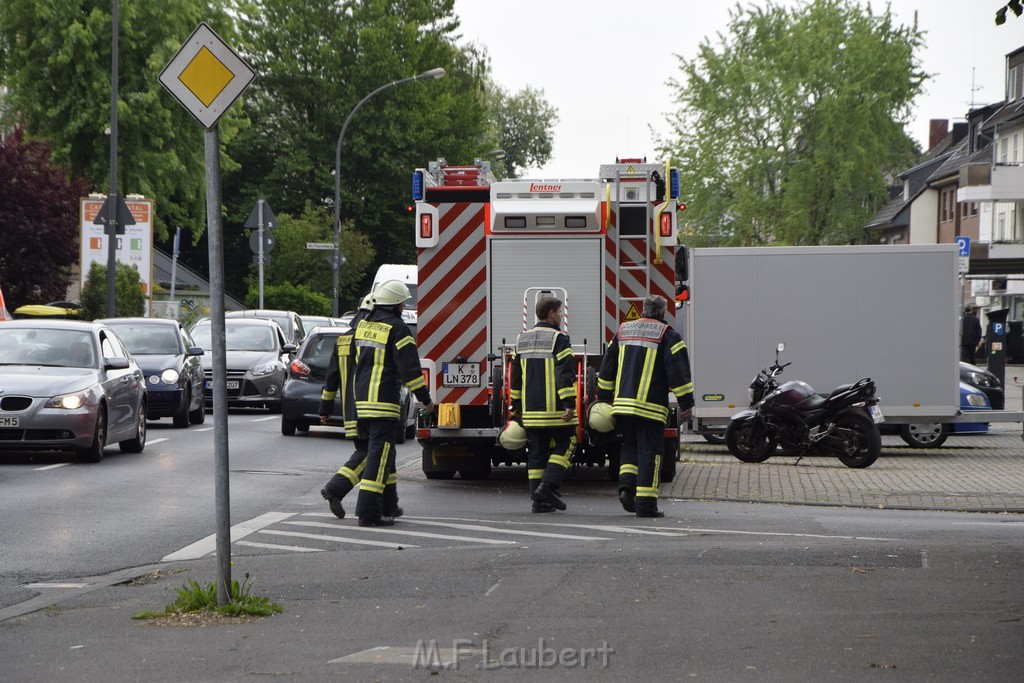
[
  {"x": 544, "y": 398},
  {"x": 646, "y": 360},
  {"x": 340, "y": 376},
  {"x": 385, "y": 358}
]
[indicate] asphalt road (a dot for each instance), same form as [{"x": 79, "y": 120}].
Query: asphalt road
[{"x": 714, "y": 591}]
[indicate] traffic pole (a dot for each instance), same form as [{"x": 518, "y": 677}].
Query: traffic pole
[
  {"x": 112, "y": 195},
  {"x": 259, "y": 210}
]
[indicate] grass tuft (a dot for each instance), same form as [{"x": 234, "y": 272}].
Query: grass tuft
[{"x": 193, "y": 597}]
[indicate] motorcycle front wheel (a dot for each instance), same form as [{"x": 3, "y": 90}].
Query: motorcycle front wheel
[
  {"x": 860, "y": 444},
  {"x": 749, "y": 441}
]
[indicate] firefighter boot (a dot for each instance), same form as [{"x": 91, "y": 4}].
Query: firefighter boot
[
  {"x": 648, "y": 507},
  {"x": 627, "y": 497},
  {"x": 334, "y": 491},
  {"x": 541, "y": 506},
  {"x": 548, "y": 493},
  {"x": 391, "y": 508},
  {"x": 376, "y": 521}
]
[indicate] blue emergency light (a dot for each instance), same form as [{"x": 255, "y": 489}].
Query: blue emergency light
[
  {"x": 674, "y": 182},
  {"x": 417, "y": 186}
]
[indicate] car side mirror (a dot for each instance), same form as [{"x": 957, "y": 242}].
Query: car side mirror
[
  {"x": 195, "y": 351},
  {"x": 289, "y": 348},
  {"x": 116, "y": 363}
]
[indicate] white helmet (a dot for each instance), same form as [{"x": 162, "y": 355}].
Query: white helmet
[
  {"x": 512, "y": 437},
  {"x": 391, "y": 293},
  {"x": 367, "y": 303},
  {"x": 600, "y": 417}
]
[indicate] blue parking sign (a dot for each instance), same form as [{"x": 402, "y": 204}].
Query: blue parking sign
[{"x": 963, "y": 245}]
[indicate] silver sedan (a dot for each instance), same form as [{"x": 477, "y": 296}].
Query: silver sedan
[{"x": 69, "y": 385}]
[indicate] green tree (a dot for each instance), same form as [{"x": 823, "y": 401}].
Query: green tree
[
  {"x": 524, "y": 125},
  {"x": 788, "y": 128},
  {"x": 129, "y": 300},
  {"x": 55, "y": 58},
  {"x": 291, "y": 263},
  {"x": 317, "y": 60},
  {"x": 39, "y": 215},
  {"x": 289, "y": 297}
]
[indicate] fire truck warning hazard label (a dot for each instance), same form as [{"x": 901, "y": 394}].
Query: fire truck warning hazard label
[{"x": 631, "y": 314}]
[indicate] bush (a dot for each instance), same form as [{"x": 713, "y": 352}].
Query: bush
[
  {"x": 129, "y": 299},
  {"x": 289, "y": 297}
]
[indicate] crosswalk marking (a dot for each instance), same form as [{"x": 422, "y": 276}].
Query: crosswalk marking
[
  {"x": 275, "y": 546},
  {"x": 401, "y": 532},
  {"x": 518, "y": 532},
  {"x": 338, "y": 539},
  {"x": 207, "y": 545}
]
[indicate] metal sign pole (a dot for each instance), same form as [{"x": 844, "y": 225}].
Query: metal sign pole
[
  {"x": 174, "y": 260},
  {"x": 220, "y": 399},
  {"x": 112, "y": 196},
  {"x": 259, "y": 205}
]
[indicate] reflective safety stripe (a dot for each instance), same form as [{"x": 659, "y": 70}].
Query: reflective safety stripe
[
  {"x": 516, "y": 393},
  {"x": 404, "y": 341},
  {"x": 629, "y": 406},
  {"x": 353, "y": 475},
  {"x": 392, "y": 479},
  {"x": 327, "y": 395},
  {"x": 657, "y": 474},
  {"x": 646, "y": 492},
  {"x": 605, "y": 384},
  {"x": 371, "y": 486},
  {"x": 683, "y": 390},
  {"x": 677, "y": 347},
  {"x": 639, "y": 342},
  {"x": 351, "y": 426},
  {"x": 344, "y": 342},
  {"x": 549, "y": 370},
  {"x": 628, "y": 469},
  {"x": 535, "y": 474},
  {"x": 368, "y": 409},
  {"x": 565, "y": 353},
  {"x": 539, "y": 419},
  {"x": 559, "y": 460},
  {"x": 567, "y": 392},
  {"x": 647, "y": 374},
  {"x": 417, "y": 383}
]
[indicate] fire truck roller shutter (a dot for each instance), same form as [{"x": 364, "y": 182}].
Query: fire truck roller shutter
[{"x": 575, "y": 265}]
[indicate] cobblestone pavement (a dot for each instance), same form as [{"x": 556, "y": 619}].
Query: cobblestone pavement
[{"x": 969, "y": 473}]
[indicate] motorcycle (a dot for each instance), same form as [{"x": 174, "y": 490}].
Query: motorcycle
[{"x": 792, "y": 415}]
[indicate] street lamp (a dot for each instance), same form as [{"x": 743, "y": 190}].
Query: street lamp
[{"x": 432, "y": 74}]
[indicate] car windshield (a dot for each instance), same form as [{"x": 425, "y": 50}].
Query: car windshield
[
  {"x": 317, "y": 353},
  {"x": 239, "y": 338},
  {"x": 147, "y": 340},
  {"x": 59, "y": 348}
]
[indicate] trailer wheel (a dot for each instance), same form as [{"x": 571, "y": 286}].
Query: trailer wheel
[{"x": 924, "y": 435}]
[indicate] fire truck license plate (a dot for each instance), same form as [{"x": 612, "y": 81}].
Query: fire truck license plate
[{"x": 460, "y": 374}]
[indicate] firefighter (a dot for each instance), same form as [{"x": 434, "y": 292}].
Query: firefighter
[
  {"x": 385, "y": 358},
  {"x": 544, "y": 399},
  {"x": 339, "y": 376},
  {"x": 645, "y": 361}
]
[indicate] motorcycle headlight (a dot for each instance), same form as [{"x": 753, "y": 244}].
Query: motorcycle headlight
[
  {"x": 266, "y": 369},
  {"x": 68, "y": 401},
  {"x": 169, "y": 376}
]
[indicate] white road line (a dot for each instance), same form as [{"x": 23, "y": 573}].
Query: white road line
[
  {"x": 987, "y": 523},
  {"x": 275, "y": 546},
  {"x": 153, "y": 441},
  {"x": 264, "y": 419},
  {"x": 239, "y": 531},
  {"x": 663, "y": 531},
  {"x": 57, "y": 585},
  {"x": 51, "y": 467},
  {"x": 336, "y": 539},
  {"x": 204, "y": 429},
  {"x": 419, "y": 534},
  {"x": 491, "y": 589},
  {"x": 519, "y": 532}
]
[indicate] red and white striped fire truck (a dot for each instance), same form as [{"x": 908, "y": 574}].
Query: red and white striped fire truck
[{"x": 487, "y": 250}]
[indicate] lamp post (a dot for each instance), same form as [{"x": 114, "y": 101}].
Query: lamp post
[{"x": 432, "y": 74}]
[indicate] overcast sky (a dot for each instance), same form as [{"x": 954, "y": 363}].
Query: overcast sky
[{"x": 604, "y": 63}]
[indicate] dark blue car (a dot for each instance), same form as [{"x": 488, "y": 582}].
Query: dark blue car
[{"x": 170, "y": 362}]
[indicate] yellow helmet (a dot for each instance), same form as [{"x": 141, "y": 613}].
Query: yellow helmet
[
  {"x": 512, "y": 436},
  {"x": 391, "y": 293},
  {"x": 600, "y": 417}
]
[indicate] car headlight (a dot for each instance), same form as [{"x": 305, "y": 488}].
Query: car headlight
[
  {"x": 266, "y": 369},
  {"x": 69, "y": 401},
  {"x": 169, "y": 376},
  {"x": 976, "y": 400},
  {"x": 981, "y": 379}
]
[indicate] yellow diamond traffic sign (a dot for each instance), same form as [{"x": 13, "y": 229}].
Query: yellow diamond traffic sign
[{"x": 206, "y": 76}]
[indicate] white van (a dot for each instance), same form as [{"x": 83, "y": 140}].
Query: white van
[{"x": 407, "y": 274}]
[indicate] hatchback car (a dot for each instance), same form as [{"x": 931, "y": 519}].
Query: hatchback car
[
  {"x": 984, "y": 381},
  {"x": 257, "y": 360},
  {"x": 307, "y": 373},
  {"x": 291, "y": 323},
  {"x": 934, "y": 434},
  {"x": 69, "y": 385},
  {"x": 170, "y": 361}
]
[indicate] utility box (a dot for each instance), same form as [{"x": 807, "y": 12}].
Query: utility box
[{"x": 886, "y": 312}]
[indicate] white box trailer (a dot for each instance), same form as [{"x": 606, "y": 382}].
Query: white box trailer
[{"x": 891, "y": 313}]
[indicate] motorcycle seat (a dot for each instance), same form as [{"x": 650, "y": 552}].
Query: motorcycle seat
[
  {"x": 841, "y": 388},
  {"x": 811, "y": 403}
]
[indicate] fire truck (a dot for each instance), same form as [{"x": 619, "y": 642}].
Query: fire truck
[{"x": 488, "y": 250}]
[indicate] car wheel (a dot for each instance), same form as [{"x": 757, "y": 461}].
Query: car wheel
[
  {"x": 930, "y": 435},
  {"x": 182, "y": 419},
  {"x": 198, "y": 416},
  {"x": 139, "y": 442},
  {"x": 288, "y": 426},
  {"x": 94, "y": 453},
  {"x": 302, "y": 426}
]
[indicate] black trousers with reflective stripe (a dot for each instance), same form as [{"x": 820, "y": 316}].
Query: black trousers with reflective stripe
[
  {"x": 348, "y": 476},
  {"x": 643, "y": 443},
  {"x": 548, "y": 450},
  {"x": 378, "y": 491}
]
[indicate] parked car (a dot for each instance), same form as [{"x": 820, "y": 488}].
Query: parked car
[
  {"x": 257, "y": 359},
  {"x": 69, "y": 385},
  {"x": 170, "y": 362},
  {"x": 307, "y": 373},
  {"x": 311, "y": 321},
  {"x": 984, "y": 381},
  {"x": 934, "y": 434},
  {"x": 291, "y": 323}
]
